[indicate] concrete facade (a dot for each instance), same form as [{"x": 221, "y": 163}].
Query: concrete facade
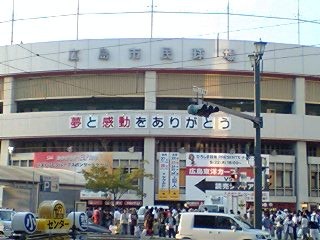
[{"x": 298, "y": 63}]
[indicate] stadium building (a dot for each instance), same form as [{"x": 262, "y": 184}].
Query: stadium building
[{"x": 69, "y": 104}]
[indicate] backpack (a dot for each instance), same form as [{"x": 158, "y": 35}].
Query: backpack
[{"x": 313, "y": 225}]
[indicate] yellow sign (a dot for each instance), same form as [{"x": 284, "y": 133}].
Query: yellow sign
[
  {"x": 53, "y": 225},
  {"x": 163, "y": 194},
  {"x": 174, "y": 194}
]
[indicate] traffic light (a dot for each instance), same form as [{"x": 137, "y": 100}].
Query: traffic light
[
  {"x": 202, "y": 110},
  {"x": 234, "y": 179},
  {"x": 266, "y": 183}
]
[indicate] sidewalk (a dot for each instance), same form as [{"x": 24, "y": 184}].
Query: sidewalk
[{"x": 125, "y": 237}]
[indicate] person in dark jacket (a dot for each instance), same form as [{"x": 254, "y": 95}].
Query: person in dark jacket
[{"x": 170, "y": 225}]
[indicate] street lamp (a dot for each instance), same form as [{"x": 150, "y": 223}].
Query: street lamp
[
  {"x": 255, "y": 60},
  {"x": 10, "y": 151}
]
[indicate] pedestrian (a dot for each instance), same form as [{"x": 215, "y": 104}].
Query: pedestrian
[
  {"x": 267, "y": 222},
  {"x": 162, "y": 222},
  {"x": 170, "y": 225},
  {"x": 304, "y": 226},
  {"x": 295, "y": 225},
  {"x": 109, "y": 219},
  {"x": 103, "y": 218},
  {"x": 96, "y": 216},
  {"x": 133, "y": 220},
  {"x": 314, "y": 226},
  {"x": 148, "y": 223},
  {"x": 288, "y": 227},
  {"x": 89, "y": 213},
  {"x": 116, "y": 217},
  {"x": 124, "y": 222},
  {"x": 279, "y": 225}
]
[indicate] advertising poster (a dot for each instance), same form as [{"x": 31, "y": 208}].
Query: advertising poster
[
  {"x": 74, "y": 161},
  {"x": 163, "y": 181},
  {"x": 222, "y": 174}
]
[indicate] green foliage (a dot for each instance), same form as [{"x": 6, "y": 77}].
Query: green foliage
[{"x": 115, "y": 182}]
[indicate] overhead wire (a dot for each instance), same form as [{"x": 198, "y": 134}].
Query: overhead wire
[
  {"x": 72, "y": 66},
  {"x": 103, "y": 94},
  {"x": 316, "y": 21}
]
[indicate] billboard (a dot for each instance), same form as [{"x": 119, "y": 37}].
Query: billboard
[
  {"x": 222, "y": 174},
  {"x": 74, "y": 161}
]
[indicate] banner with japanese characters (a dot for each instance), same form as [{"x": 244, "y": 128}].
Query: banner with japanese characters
[
  {"x": 174, "y": 176},
  {"x": 169, "y": 176},
  {"x": 74, "y": 161},
  {"x": 163, "y": 181},
  {"x": 144, "y": 121},
  {"x": 222, "y": 174}
]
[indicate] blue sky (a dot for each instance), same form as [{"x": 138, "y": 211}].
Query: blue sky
[{"x": 270, "y": 20}]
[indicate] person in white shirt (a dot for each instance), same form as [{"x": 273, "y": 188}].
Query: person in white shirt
[
  {"x": 116, "y": 217},
  {"x": 304, "y": 226},
  {"x": 155, "y": 213},
  {"x": 288, "y": 227},
  {"x": 314, "y": 226},
  {"x": 124, "y": 222}
]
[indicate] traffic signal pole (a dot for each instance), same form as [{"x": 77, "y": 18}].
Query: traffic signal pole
[
  {"x": 257, "y": 146},
  {"x": 205, "y": 111},
  {"x": 197, "y": 109}
]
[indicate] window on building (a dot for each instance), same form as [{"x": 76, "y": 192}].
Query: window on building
[
  {"x": 80, "y": 145},
  {"x": 281, "y": 179},
  {"x": 223, "y": 146},
  {"x": 313, "y": 109},
  {"x": 241, "y": 105},
  {"x": 128, "y": 166},
  {"x": 314, "y": 180},
  {"x": 313, "y": 149},
  {"x": 134, "y": 103}
]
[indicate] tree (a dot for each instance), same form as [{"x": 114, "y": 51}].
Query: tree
[{"x": 114, "y": 181}]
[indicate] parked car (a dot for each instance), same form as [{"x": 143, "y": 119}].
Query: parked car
[
  {"x": 6, "y": 216},
  {"x": 206, "y": 225}
]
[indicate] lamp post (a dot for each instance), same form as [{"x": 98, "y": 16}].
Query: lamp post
[{"x": 255, "y": 60}]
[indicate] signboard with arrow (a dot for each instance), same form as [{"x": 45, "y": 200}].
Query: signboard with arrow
[
  {"x": 49, "y": 183},
  {"x": 220, "y": 174},
  {"x": 205, "y": 185}
]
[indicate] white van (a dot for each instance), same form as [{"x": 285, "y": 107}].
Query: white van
[
  {"x": 142, "y": 210},
  {"x": 217, "y": 226}
]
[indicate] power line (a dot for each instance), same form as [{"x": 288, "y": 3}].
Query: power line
[
  {"x": 315, "y": 21},
  {"x": 294, "y": 19},
  {"x": 39, "y": 55}
]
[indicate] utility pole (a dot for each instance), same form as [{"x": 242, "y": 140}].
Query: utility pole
[{"x": 12, "y": 22}]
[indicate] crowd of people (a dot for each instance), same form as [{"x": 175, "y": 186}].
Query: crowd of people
[
  {"x": 281, "y": 224},
  {"x": 157, "y": 221},
  {"x": 292, "y": 225}
]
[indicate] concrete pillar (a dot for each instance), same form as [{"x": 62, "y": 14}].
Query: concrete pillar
[
  {"x": 299, "y": 105},
  {"x": 148, "y": 185},
  {"x": 150, "y": 89},
  {"x": 301, "y": 164},
  {"x": 301, "y": 174},
  {"x": 4, "y": 157},
  {"x": 9, "y": 104}
]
